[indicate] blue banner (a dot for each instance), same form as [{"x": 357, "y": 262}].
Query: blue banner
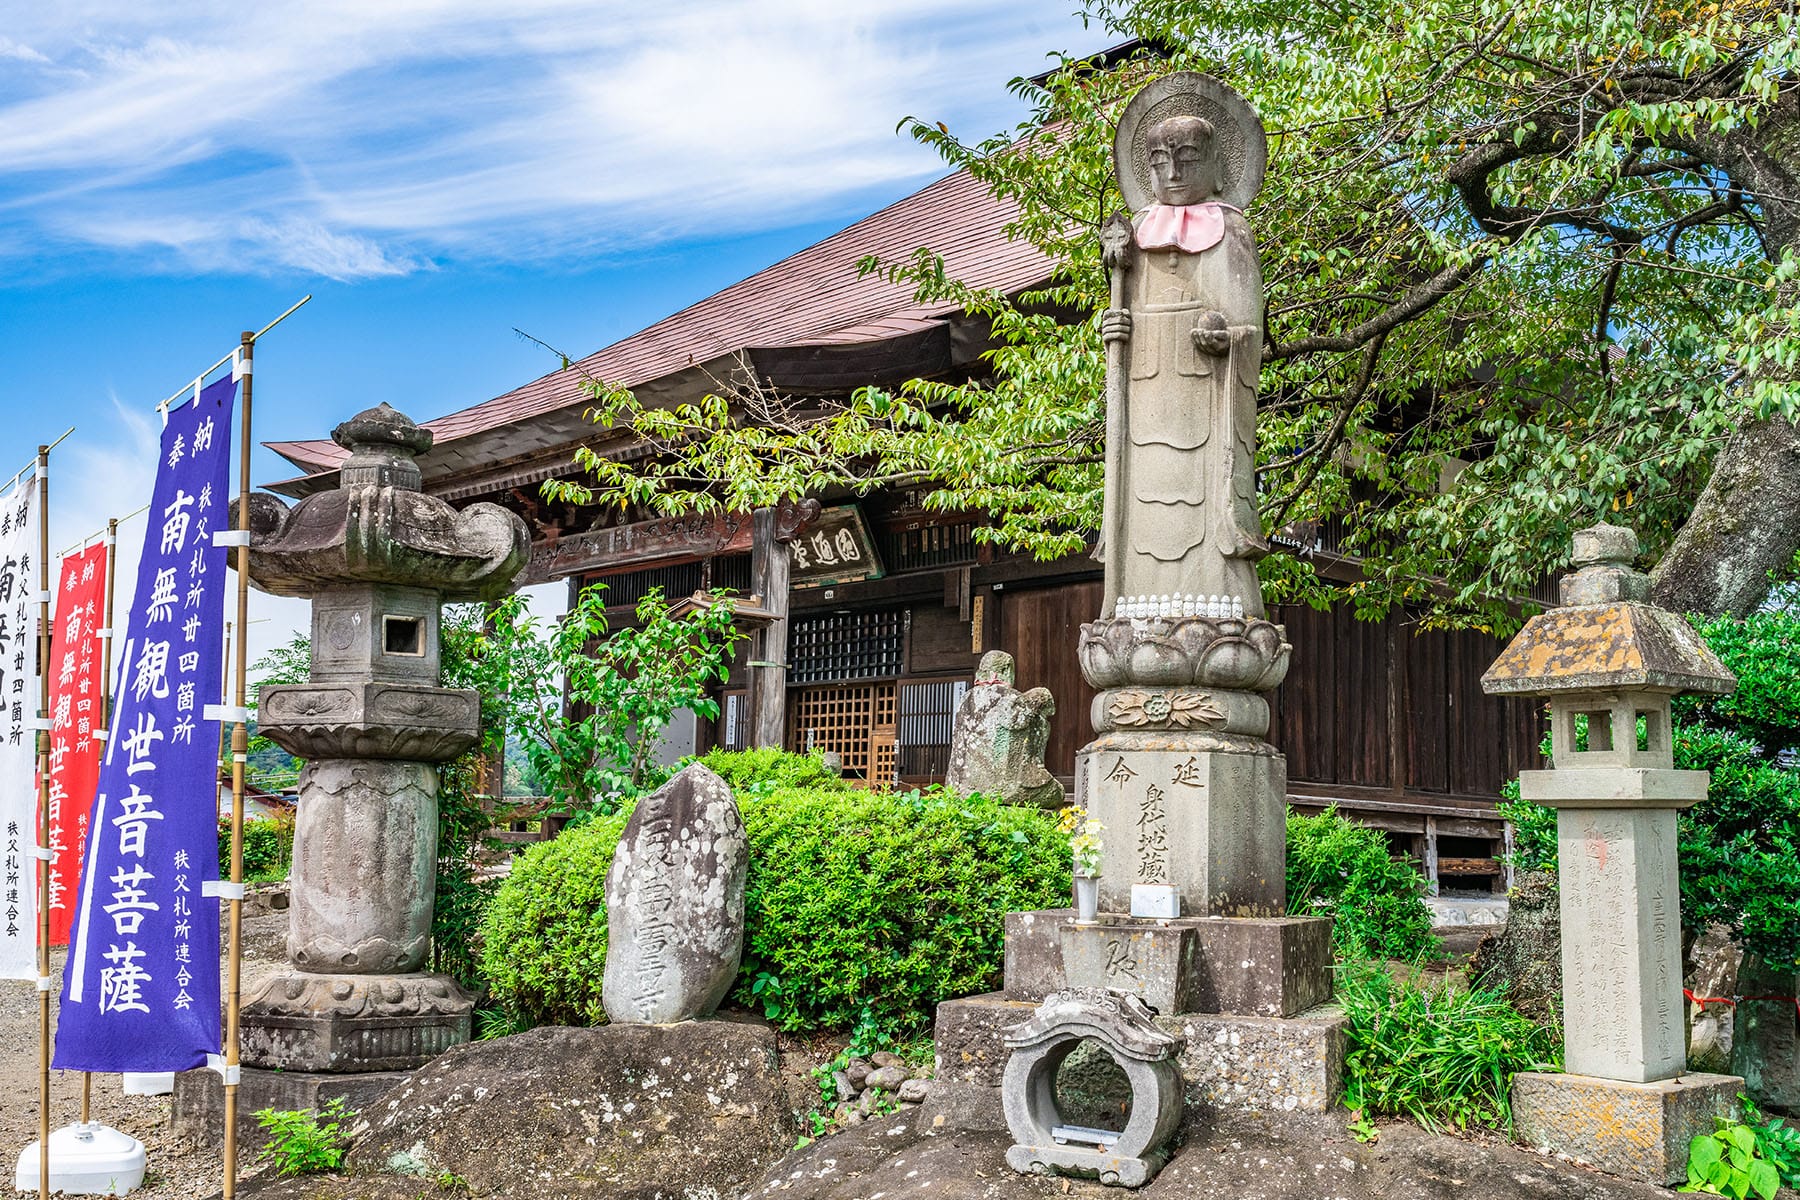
[{"x": 141, "y": 991}]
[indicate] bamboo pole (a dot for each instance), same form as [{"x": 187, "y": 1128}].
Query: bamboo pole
[
  {"x": 106, "y": 707},
  {"x": 240, "y": 748},
  {"x": 43, "y": 769},
  {"x": 192, "y": 387},
  {"x": 112, "y": 527}
]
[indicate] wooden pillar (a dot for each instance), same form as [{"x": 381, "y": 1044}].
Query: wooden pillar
[{"x": 769, "y": 558}]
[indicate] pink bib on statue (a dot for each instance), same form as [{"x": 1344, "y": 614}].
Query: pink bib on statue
[{"x": 1190, "y": 227}]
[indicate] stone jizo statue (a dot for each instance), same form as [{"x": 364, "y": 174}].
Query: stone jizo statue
[
  {"x": 1184, "y": 340},
  {"x": 997, "y": 745}
]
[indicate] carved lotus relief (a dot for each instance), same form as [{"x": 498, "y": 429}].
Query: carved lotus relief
[
  {"x": 1136, "y": 708},
  {"x": 424, "y": 707},
  {"x": 307, "y": 703},
  {"x": 1222, "y": 652}
]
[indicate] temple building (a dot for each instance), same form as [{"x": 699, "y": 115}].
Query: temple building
[{"x": 889, "y": 606}]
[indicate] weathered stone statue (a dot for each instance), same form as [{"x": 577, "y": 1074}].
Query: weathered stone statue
[
  {"x": 377, "y": 557},
  {"x": 1190, "y": 797},
  {"x": 675, "y": 903},
  {"x": 1180, "y": 774},
  {"x": 1184, "y": 339},
  {"x": 997, "y": 745}
]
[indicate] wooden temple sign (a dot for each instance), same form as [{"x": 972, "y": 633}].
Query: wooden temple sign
[
  {"x": 837, "y": 548},
  {"x": 685, "y": 537}
]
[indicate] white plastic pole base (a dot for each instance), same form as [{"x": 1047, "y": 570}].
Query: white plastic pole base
[
  {"x": 86, "y": 1160},
  {"x": 149, "y": 1083}
]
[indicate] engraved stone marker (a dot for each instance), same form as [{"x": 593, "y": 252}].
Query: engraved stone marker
[
  {"x": 675, "y": 903},
  {"x": 1609, "y": 663}
]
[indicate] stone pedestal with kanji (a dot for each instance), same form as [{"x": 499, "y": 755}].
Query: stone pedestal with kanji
[{"x": 1608, "y": 663}]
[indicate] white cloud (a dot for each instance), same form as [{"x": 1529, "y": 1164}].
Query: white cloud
[
  {"x": 19, "y": 51},
  {"x": 350, "y": 139}
]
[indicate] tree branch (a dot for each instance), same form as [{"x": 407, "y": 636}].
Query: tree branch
[{"x": 1416, "y": 301}]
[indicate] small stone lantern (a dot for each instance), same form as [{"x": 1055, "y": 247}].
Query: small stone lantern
[
  {"x": 377, "y": 557},
  {"x": 1609, "y": 662}
]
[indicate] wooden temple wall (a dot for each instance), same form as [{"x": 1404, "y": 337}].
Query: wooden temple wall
[{"x": 1381, "y": 719}]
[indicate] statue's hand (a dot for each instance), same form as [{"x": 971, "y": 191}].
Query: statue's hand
[
  {"x": 1115, "y": 325},
  {"x": 1212, "y": 336},
  {"x": 1115, "y": 240}
]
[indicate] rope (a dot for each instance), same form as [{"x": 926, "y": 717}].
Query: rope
[{"x": 1734, "y": 1001}]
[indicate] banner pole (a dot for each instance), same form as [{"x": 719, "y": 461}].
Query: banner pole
[
  {"x": 43, "y": 768},
  {"x": 106, "y": 707},
  {"x": 240, "y": 749}
]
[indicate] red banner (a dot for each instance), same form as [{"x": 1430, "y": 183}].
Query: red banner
[{"x": 77, "y": 709}]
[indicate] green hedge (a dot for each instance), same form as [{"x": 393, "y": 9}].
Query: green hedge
[
  {"x": 1340, "y": 869},
  {"x": 859, "y": 906}
]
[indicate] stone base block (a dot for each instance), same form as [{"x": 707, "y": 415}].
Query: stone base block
[
  {"x": 197, "y": 1110},
  {"x": 1279, "y": 1064},
  {"x": 1269, "y": 1064},
  {"x": 1636, "y": 1130},
  {"x": 1262, "y": 966},
  {"x": 1113, "y": 1170},
  {"x": 303, "y": 1022}
]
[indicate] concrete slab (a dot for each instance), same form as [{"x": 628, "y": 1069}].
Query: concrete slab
[{"x": 1279, "y": 1064}]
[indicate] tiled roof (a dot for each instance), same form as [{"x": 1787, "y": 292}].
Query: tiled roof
[{"x": 811, "y": 298}]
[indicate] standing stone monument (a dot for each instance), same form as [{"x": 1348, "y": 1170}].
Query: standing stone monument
[
  {"x": 998, "y": 741},
  {"x": 1192, "y": 798},
  {"x": 1608, "y": 661},
  {"x": 377, "y": 557},
  {"x": 675, "y": 903},
  {"x": 1180, "y": 774}
]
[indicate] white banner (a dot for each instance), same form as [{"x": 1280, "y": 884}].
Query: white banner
[{"x": 18, "y": 737}]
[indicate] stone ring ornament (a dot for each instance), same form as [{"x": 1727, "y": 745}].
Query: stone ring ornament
[
  {"x": 1242, "y": 148},
  {"x": 1122, "y": 1026}
]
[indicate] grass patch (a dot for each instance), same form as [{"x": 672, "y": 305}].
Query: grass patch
[{"x": 1441, "y": 1054}]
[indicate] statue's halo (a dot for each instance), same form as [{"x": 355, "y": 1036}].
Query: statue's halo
[{"x": 1238, "y": 132}]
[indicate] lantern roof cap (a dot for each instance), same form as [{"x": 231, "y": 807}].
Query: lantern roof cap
[{"x": 1606, "y": 637}]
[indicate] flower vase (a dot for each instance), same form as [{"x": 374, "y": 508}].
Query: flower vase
[{"x": 1087, "y": 899}]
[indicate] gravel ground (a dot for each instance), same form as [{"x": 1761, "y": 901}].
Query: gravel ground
[{"x": 177, "y": 1171}]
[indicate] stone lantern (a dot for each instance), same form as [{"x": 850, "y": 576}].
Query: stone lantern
[
  {"x": 377, "y": 557},
  {"x": 1609, "y": 662}
]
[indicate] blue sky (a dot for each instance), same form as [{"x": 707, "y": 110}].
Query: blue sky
[{"x": 436, "y": 174}]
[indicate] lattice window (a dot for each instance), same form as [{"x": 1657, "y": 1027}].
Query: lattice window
[
  {"x": 927, "y": 716},
  {"x": 626, "y": 589},
  {"x": 928, "y": 546},
  {"x": 856, "y": 723},
  {"x": 732, "y": 571},
  {"x": 844, "y": 646}
]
